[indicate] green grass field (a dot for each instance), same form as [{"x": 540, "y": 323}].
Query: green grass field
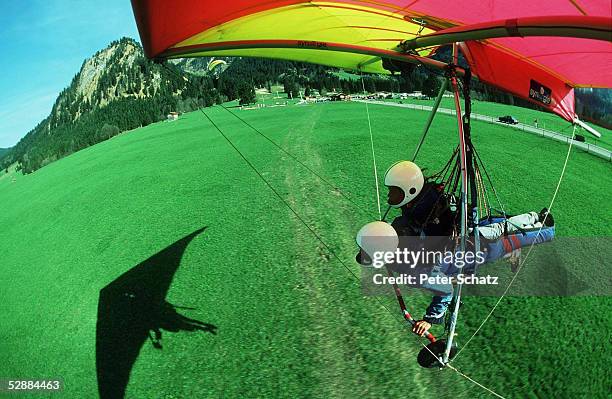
[{"x": 290, "y": 320}]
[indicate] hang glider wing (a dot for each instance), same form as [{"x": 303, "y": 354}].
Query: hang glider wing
[{"x": 356, "y": 34}]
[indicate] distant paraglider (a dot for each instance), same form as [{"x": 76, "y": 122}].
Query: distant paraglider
[{"x": 216, "y": 67}]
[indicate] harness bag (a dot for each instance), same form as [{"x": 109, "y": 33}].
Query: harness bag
[
  {"x": 508, "y": 243},
  {"x": 504, "y": 246}
]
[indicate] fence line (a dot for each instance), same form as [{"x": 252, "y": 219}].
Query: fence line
[{"x": 590, "y": 148}]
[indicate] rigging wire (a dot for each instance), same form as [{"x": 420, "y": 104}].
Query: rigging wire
[
  {"x": 327, "y": 247},
  {"x": 323, "y": 179},
  {"x": 418, "y": 340},
  {"x": 456, "y": 370},
  {"x": 380, "y": 217},
  {"x": 499, "y": 202},
  {"x": 450, "y": 366},
  {"x": 554, "y": 197},
  {"x": 295, "y": 213},
  {"x": 312, "y": 231}
]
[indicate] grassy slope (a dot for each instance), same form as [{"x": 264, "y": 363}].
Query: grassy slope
[{"x": 291, "y": 320}]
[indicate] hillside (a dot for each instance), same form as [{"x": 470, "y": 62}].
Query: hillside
[
  {"x": 595, "y": 105},
  {"x": 119, "y": 89},
  {"x": 115, "y": 90}
]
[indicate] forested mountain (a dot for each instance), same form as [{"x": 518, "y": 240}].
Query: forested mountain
[
  {"x": 595, "y": 105},
  {"x": 115, "y": 90},
  {"x": 119, "y": 89}
]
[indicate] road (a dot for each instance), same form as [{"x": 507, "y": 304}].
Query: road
[{"x": 590, "y": 148}]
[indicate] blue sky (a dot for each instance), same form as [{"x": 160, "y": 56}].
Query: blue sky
[{"x": 43, "y": 45}]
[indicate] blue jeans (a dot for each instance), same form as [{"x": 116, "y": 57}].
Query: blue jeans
[
  {"x": 437, "y": 308},
  {"x": 439, "y": 303}
]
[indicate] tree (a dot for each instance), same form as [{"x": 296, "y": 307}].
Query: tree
[
  {"x": 246, "y": 94},
  {"x": 431, "y": 86},
  {"x": 109, "y": 131},
  {"x": 370, "y": 86},
  {"x": 291, "y": 87}
]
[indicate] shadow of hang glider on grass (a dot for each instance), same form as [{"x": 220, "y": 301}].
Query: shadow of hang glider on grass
[{"x": 133, "y": 309}]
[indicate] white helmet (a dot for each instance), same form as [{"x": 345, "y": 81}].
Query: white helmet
[
  {"x": 377, "y": 237},
  {"x": 408, "y": 177}
]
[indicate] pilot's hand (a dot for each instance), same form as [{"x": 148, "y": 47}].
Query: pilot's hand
[{"x": 420, "y": 327}]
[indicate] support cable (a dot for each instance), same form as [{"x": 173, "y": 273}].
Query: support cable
[
  {"x": 430, "y": 118},
  {"x": 463, "y": 158},
  {"x": 323, "y": 179},
  {"x": 552, "y": 201},
  {"x": 501, "y": 205},
  {"x": 475, "y": 382},
  {"x": 295, "y": 213},
  {"x": 327, "y": 247},
  {"x": 373, "y": 153}
]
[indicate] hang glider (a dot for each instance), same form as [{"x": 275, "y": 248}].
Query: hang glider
[
  {"x": 539, "y": 51},
  {"x": 534, "y": 50}
]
